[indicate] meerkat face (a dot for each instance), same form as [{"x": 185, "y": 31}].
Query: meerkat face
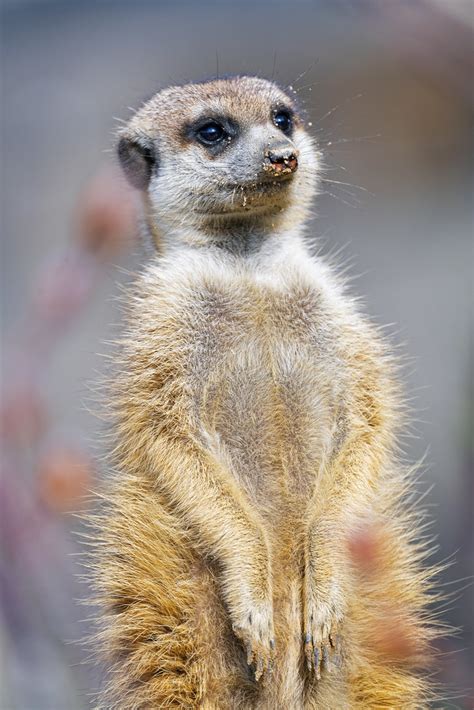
[{"x": 221, "y": 150}]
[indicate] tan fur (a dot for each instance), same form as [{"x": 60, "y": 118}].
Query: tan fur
[{"x": 256, "y": 417}]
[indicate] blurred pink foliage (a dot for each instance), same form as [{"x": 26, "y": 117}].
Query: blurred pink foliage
[
  {"x": 43, "y": 477},
  {"x": 105, "y": 223}
]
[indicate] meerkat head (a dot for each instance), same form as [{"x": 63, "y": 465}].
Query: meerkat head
[{"x": 219, "y": 156}]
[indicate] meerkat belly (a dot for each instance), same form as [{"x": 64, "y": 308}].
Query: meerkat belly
[{"x": 271, "y": 415}]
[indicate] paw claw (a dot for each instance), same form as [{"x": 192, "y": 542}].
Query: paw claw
[
  {"x": 256, "y": 633},
  {"x": 249, "y": 654},
  {"x": 316, "y": 661},
  {"x": 321, "y": 643},
  {"x": 325, "y": 660}
]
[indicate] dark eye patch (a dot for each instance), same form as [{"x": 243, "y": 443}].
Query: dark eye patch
[
  {"x": 213, "y": 132},
  {"x": 283, "y": 119}
]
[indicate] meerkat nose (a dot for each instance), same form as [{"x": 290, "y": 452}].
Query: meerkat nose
[{"x": 281, "y": 160}]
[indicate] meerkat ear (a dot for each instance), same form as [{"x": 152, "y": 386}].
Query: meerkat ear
[{"x": 138, "y": 159}]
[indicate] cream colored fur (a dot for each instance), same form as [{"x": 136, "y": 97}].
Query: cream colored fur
[{"x": 256, "y": 419}]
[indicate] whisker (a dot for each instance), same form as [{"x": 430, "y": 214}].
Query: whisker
[
  {"x": 274, "y": 65},
  {"x": 336, "y": 108},
  {"x": 300, "y": 76},
  {"x": 346, "y": 184}
]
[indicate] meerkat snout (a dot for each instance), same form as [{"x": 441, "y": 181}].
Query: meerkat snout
[{"x": 281, "y": 160}]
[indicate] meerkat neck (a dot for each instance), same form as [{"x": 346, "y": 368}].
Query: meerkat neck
[
  {"x": 254, "y": 243},
  {"x": 242, "y": 237}
]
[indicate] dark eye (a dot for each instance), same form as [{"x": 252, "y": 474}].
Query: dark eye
[
  {"x": 211, "y": 132},
  {"x": 283, "y": 121}
]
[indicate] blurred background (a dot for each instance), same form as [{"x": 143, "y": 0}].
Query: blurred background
[{"x": 388, "y": 90}]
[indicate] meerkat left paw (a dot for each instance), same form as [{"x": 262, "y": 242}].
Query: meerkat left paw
[
  {"x": 321, "y": 640},
  {"x": 256, "y": 633}
]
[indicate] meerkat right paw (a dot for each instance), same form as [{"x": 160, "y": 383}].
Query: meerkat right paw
[
  {"x": 321, "y": 640},
  {"x": 323, "y": 615},
  {"x": 255, "y": 630}
]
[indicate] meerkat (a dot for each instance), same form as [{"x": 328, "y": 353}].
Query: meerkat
[{"x": 256, "y": 419}]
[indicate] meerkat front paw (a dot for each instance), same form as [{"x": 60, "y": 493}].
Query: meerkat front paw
[
  {"x": 322, "y": 617},
  {"x": 255, "y": 629},
  {"x": 323, "y": 599}
]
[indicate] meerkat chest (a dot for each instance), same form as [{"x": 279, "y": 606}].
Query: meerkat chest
[{"x": 271, "y": 384}]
